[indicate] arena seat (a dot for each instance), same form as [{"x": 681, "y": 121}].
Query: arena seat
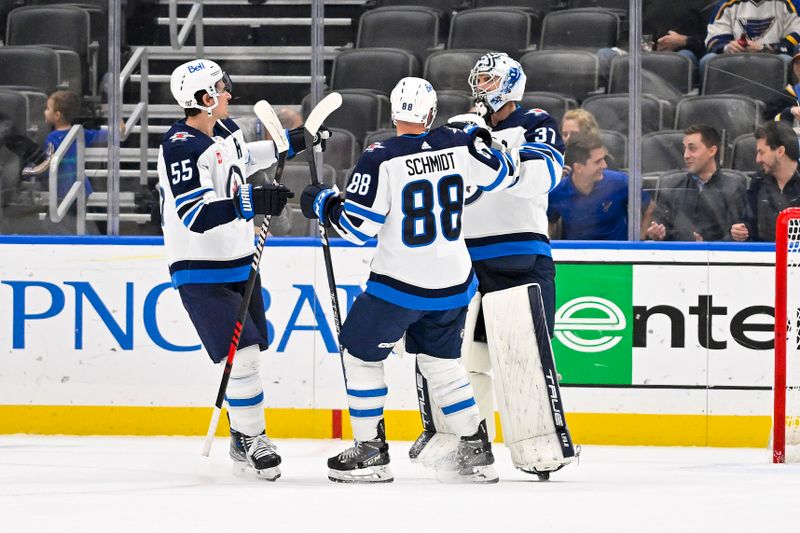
[
  {"x": 449, "y": 69},
  {"x": 662, "y": 151},
  {"x": 29, "y": 68},
  {"x": 361, "y": 111},
  {"x": 555, "y": 104},
  {"x": 412, "y": 28},
  {"x": 611, "y": 112},
  {"x": 585, "y": 28},
  {"x": 743, "y": 154},
  {"x": 379, "y": 135},
  {"x": 670, "y": 67},
  {"x": 732, "y": 115},
  {"x": 758, "y": 76},
  {"x": 451, "y": 103},
  {"x": 573, "y": 73},
  {"x": 492, "y": 29},
  {"x": 341, "y": 150},
  {"x": 616, "y": 144},
  {"x": 377, "y": 69}
]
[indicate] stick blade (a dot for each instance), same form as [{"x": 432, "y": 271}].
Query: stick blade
[
  {"x": 266, "y": 114},
  {"x": 325, "y": 107}
]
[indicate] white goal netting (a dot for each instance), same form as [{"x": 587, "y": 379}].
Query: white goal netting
[{"x": 787, "y": 347}]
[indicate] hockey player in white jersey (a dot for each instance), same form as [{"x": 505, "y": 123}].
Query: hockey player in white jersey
[
  {"x": 207, "y": 210},
  {"x": 506, "y": 235},
  {"x": 409, "y": 192}
]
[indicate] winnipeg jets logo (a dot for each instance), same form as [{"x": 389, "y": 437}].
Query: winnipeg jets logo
[
  {"x": 180, "y": 136},
  {"x": 425, "y": 145},
  {"x": 374, "y": 146},
  {"x": 536, "y": 111}
]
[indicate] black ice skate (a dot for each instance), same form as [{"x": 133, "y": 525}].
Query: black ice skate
[
  {"x": 471, "y": 462},
  {"x": 254, "y": 455},
  {"x": 364, "y": 462}
]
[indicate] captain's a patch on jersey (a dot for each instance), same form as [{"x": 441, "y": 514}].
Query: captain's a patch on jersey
[
  {"x": 374, "y": 146},
  {"x": 180, "y": 136}
]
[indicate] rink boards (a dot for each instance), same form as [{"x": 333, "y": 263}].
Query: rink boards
[{"x": 656, "y": 344}]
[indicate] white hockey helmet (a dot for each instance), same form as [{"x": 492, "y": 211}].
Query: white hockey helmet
[
  {"x": 414, "y": 100},
  {"x": 511, "y": 82},
  {"x": 198, "y": 75}
]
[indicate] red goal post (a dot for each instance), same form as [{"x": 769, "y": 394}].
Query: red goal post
[{"x": 786, "y": 414}]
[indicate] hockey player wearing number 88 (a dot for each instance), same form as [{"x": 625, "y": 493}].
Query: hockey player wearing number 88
[
  {"x": 409, "y": 192},
  {"x": 207, "y": 220},
  {"x": 506, "y": 234}
]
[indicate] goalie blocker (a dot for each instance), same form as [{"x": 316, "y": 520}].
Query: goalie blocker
[{"x": 525, "y": 377}]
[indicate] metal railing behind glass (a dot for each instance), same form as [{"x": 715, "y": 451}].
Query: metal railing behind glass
[
  {"x": 194, "y": 19},
  {"x": 77, "y": 191},
  {"x": 139, "y": 114}
]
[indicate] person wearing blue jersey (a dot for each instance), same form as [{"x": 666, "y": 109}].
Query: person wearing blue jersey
[
  {"x": 409, "y": 191},
  {"x": 507, "y": 238},
  {"x": 207, "y": 211},
  {"x": 592, "y": 201}
]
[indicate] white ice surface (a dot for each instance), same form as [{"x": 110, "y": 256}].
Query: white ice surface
[{"x": 163, "y": 484}]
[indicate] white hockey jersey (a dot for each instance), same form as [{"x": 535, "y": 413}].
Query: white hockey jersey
[
  {"x": 773, "y": 22},
  {"x": 197, "y": 175},
  {"x": 409, "y": 191},
  {"x": 508, "y": 223}
]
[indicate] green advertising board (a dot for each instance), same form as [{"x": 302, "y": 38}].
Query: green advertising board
[{"x": 592, "y": 340}]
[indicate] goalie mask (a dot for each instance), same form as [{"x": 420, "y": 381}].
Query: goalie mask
[
  {"x": 198, "y": 75},
  {"x": 414, "y": 100},
  {"x": 496, "y": 79}
]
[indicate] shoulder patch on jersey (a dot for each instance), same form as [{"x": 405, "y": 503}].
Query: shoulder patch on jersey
[
  {"x": 180, "y": 136},
  {"x": 374, "y": 146}
]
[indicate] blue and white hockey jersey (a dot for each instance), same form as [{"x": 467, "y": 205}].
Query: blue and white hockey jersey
[
  {"x": 197, "y": 176},
  {"x": 409, "y": 191},
  {"x": 773, "y": 22},
  {"x": 514, "y": 222}
]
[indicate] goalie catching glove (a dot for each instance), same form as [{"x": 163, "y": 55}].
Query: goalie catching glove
[
  {"x": 249, "y": 201},
  {"x": 297, "y": 141},
  {"x": 318, "y": 200}
]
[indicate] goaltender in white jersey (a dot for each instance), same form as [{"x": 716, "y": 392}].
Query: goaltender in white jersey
[{"x": 506, "y": 234}]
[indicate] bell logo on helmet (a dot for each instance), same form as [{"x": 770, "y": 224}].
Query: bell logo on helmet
[{"x": 196, "y": 68}]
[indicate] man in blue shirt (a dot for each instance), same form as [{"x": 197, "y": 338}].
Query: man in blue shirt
[{"x": 592, "y": 201}]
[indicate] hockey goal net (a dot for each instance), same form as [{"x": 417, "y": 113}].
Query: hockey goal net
[{"x": 786, "y": 416}]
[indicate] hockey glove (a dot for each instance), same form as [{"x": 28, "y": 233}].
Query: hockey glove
[
  {"x": 297, "y": 140},
  {"x": 317, "y": 200},
  {"x": 469, "y": 118},
  {"x": 249, "y": 201}
]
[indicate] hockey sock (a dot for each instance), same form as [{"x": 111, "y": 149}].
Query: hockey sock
[
  {"x": 450, "y": 386},
  {"x": 245, "y": 394},
  {"x": 366, "y": 395}
]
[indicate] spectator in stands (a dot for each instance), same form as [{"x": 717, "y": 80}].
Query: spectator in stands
[
  {"x": 786, "y": 105},
  {"x": 775, "y": 187},
  {"x": 578, "y": 121},
  {"x": 767, "y": 26},
  {"x": 704, "y": 203},
  {"x": 592, "y": 201},
  {"x": 62, "y": 109},
  {"x": 668, "y": 26}
]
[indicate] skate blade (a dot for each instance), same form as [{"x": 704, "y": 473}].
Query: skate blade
[
  {"x": 476, "y": 474},
  {"x": 241, "y": 469},
  {"x": 371, "y": 474}
]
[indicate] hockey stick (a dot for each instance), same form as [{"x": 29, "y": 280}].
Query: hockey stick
[
  {"x": 267, "y": 115},
  {"x": 325, "y": 107}
]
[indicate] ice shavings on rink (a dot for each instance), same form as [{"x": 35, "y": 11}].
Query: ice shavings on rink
[{"x": 163, "y": 484}]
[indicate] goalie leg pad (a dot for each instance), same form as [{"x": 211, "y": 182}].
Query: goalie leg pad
[
  {"x": 528, "y": 395},
  {"x": 366, "y": 395},
  {"x": 245, "y": 393},
  {"x": 450, "y": 387}
]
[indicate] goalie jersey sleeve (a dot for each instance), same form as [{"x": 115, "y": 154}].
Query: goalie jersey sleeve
[
  {"x": 198, "y": 175},
  {"x": 409, "y": 192}
]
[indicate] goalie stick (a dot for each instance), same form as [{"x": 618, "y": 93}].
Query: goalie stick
[
  {"x": 325, "y": 107},
  {"x": 267, "y": 116}
]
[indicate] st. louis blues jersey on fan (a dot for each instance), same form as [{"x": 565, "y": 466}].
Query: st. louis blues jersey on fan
[
  {"x": 514, "y": 222},
  {"x": 407, "y": 191},
  {"x": 205, "y": 241}
]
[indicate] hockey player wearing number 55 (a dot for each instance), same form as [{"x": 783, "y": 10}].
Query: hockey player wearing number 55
[
  {"x": 409, "y": 192},
  {"x": 506, "y": 234},
  {"x": 207, "y": 220}
]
